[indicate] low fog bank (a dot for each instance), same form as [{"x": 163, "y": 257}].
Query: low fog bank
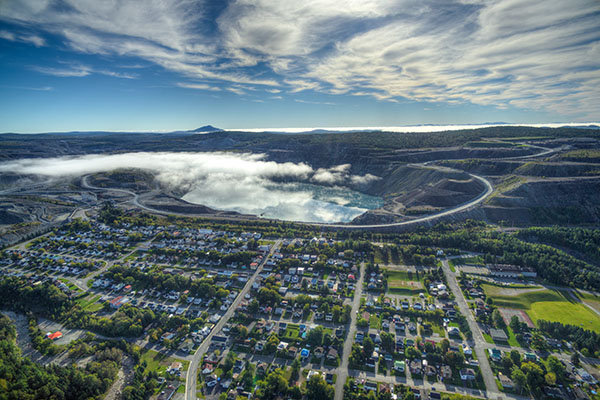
[{"x": 227, "y": 181}]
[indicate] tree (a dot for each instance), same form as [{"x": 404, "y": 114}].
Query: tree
[
  {"x": 550, "y": 378},
  {"x": 229, "y": 361},
  {"x": 387, "y": 341},
  {"x": 556, "y": 367},
  {"x": 575, "y": 358},
  {"x": 368, "y": 346},
  {"x": 534, "y": 375},
  {"x": 515, "y": 324},
  {"x": 518, "y": 377},
  {"x": 454, "y": 359},
  {"x": 295, "y": 370},
  {"x": 515, "y": 357},
  {"x": 538, "y": 342},
  {"x": 498, "y": 320},
  {"x": 315, "y": 336},
  {"x": 318, "y": 389},
  {"x": 411, "y": 353}
]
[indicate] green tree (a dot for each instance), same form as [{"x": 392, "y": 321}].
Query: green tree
[
  {"x": 518, "y": 377},
  {"x": 318, "y": 389},
  {"x": 515, "y": 324},
  {"x": 368, "y": 346},
  {"x": 498, "y": 320}
]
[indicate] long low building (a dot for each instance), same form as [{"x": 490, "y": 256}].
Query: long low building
[{"x": 511, "y": 271}]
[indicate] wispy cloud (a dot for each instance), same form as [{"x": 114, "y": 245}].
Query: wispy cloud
[
  {"x": 540, "y": 55},
  {"x": 198, "y": 86},
  {"x": 78, "y": 71},
  {"x": 36, "y": 40}
]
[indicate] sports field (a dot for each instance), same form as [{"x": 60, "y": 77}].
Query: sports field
[
  {"x": 549, "y": 305},
  {"x": 404, "y": 282}
]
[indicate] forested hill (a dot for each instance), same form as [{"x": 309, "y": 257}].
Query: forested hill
[{"x": 56, "y": 144}]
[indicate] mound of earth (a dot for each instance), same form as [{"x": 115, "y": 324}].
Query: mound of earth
[
  {"x": 570, "y": 201},
  {"x": 133, "y": 179}
]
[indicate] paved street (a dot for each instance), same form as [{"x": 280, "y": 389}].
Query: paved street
[
  {"x": 342, "y": 372},
  {"x": 192, "y": 373},
  {"x": 478, "y": 342}
]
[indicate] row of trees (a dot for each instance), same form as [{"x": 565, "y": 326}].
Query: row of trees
[{"x": 586, "y": 341}]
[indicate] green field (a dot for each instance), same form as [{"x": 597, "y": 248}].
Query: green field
[
  {"x": 549, "y": 305},
  {"x": 404, "y": 282},
  {"x": 160, "y": 362},
  {"x": 88, "y": 303}
]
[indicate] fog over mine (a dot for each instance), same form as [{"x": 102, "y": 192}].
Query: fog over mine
[{"x": 246, "y": 183}]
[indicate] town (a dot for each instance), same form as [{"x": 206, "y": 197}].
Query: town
[{"x": 207, "y": 312}]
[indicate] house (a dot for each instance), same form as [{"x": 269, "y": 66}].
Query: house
[
  {"x": 54, "y": 336},
  {"x": 429, "y": 370},
  {"x": 259, "y": 346},
  {"x": 495, "y": 355},
  {"x": 415, "y": 367},
  {"x": 211, "y": 380},
  {"x": 370, "y": 386},
  {"x": 207, "y": 369},
  {"x": 498, "y": 335},
  {"x": 453, "y": 331},
  {"x": 506, "y": 382},
  {"x": 175, "y": 368},
  {"x": 399, "y": 366},
  {"x": 319, "y": 352},
  {"x": 332, "y": 354},
  {"x": 261, "y": 368},
  {"x": 446, "y": 372},
  {"x": 292, "y": 351},
  {"x": 467, "y": 374}
]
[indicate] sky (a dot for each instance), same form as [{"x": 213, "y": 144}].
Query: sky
[{"x": 158, "y": 65}]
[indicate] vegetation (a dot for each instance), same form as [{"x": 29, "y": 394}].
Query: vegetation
[
  {"x": 586, "y": 341},
  {"x": 549, "y": 305},
  {"x": 585, "y": 241},
  {"x": 21, "y": 378},
  {"x": 551, "y": 264}
]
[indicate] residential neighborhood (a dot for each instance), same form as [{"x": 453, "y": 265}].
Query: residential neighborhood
[{"x": 215, "y": 311}]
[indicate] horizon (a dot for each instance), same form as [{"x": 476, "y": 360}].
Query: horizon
[
  {"x": 82, "y": 66},
  {"x": 417, "y": 128}
]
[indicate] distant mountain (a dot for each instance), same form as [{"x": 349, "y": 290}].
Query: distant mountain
[{"x": 206, "y": 129}]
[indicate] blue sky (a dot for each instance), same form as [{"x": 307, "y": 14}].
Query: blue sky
[{"x": 171, "y": 65}]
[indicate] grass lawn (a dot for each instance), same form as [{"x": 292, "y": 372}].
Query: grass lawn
[
  {"x": 374, "y": 322},
  {"x": 550, "y": 305},
  {"x": 292, "y": 331},
  {"x": 404, "y": 282},
  {"x": 88, "y": 303},
  {"x": 160, "y": 362},
  {"x": 488, "y": 338}
]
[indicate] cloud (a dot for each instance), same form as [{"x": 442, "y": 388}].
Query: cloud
[
  {"x": 238, "y": 182},
  {"x": 198, "y": 86},
  {"x": 79, "y": 71},
  {"x": 539, "y": 55},
  {"x": 36, "y": 40}
]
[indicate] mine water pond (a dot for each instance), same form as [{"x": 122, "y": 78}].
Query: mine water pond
[{"x": 289, "y": 201}]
